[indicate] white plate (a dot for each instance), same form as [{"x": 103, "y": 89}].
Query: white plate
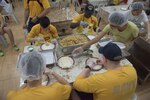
[
  {"x": 120, "y": 45},
  {"x": 48, "y": 46},
  {"x": 65, "y": 62}
]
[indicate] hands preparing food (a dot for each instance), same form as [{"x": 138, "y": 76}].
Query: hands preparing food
[{"x": 84, "y": 24}]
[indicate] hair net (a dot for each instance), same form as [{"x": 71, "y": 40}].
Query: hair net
[
  {"x": 32, "y": 66},
  {"x": 137, "y": 6},
  {"x": 118, "y": 19}
]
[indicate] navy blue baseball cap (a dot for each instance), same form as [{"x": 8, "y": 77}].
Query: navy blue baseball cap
[
  {"x": 89, "y": 9},
  {"x": 111, "y": 51}
]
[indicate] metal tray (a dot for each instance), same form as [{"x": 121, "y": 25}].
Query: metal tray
[{"x": 69, "y": 49}]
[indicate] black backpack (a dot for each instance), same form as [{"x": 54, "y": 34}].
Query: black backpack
[{"x": 37, "y": 1}]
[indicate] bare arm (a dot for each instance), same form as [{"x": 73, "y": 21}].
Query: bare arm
[
  {"x": 44, "y": 13},
  {"x": 148, "y": 27},
  {"x": 60, "y": 79},
  {"x": 95, "y": 40},
  {"x": 74, "y": 25},
  {"x": 85, "y": 73},
  {"x": 26, "y": 15}
]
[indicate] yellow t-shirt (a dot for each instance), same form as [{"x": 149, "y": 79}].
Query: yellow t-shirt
[
  {"x": 130, "y": 33},
  {"x": 92, "y": 21},
  {"x": 110, "y": 85},
  {"x": 116, "y": 2},
  {"x": 55, "y": 91},
  {"x": 37, "y": 31},
  {"x": 34, "y": 7}
]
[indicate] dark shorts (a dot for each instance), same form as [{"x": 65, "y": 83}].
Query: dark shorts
[{"x": 31, "y": 24}]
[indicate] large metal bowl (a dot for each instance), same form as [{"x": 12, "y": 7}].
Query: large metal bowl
[{"x": 68, "y": 49}]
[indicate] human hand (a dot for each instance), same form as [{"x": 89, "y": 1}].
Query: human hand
[
  {"x": 91, "y": 64},
  {"x": 77, "y": 51},
  {"x": 99, "y": 62},
  {"x": 4, "y": 25},
  {"x": 54, "y": 41},
  {"x": 24, "y": 26},
  {"x": 48, "y": 71},
  {"x": 84, "y": 24},
  {"x": 34, "y": 20}
]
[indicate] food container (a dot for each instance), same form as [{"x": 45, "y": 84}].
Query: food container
[
  {"x": 64, "y": 60},
  {"x": 68, "y": 49}
]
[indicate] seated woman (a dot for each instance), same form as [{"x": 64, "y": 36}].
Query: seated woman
[
  {"x": 4, "y": 29},
  {"x": 42, "y": 32},
  {"x": 138, "y": 16},
  {"x": 32, "y": 66}
]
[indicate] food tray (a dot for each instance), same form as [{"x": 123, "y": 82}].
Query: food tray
[
  {"x": 66, "y": 67},
  {"x": 49, "y": 57},
  {"x": 68, "y": 49}
]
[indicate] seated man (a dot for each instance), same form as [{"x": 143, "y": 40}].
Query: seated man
[
  {"x": 85, "y": 23},
  {"x": 42, "y": 32},
  {"x": 4, "y": 29},
  {"x": 117, "y": 83},
  {"x": 119, "y": 27},
  {"x": 32, "y": 66},
  {"x": 138, "y": 16}
]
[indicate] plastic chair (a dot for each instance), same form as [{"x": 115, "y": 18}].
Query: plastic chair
[
  {"x": 9, "y": 12},
  {"x": 3, "y": 41}
]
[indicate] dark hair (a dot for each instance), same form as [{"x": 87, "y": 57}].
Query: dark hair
[{"x": 44, "y": 22}]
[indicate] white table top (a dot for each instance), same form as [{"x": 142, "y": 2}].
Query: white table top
[{"x": 71, "y": 74}]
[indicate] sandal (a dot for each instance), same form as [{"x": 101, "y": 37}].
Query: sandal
[
  {"x": 1, "y": 53},
  {"x": 15, "y": 47}
]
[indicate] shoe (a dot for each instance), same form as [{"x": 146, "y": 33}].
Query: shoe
[
  {"x": 1, "y": 53},
  {"x": 15, "y": 47}
]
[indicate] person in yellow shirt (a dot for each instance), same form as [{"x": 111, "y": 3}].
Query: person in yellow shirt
[
  {"x": 42, "y": 32},
  {"x": 32, "y": 66},
  {"x": 34, "y": 10},
  {"x": 115, "y": 2},
  {"x": 4, "y": 29},
  {"x": 119, "y": 28},
  {"x": 118, "y": 82},
  {"x": 85, "y": 23}
]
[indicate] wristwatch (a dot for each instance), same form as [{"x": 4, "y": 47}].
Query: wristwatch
[{"x": 88, "y": 67}]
